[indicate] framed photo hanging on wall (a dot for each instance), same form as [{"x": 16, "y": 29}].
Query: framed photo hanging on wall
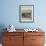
[{"x": 26, "y": 13}]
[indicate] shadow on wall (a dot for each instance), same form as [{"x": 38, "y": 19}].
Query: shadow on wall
[{"x": 2, "y": 26}]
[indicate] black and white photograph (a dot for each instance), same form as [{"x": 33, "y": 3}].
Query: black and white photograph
[{"x": 26, "y": 13}]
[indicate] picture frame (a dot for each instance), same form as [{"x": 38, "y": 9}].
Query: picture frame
[{"x": 26, "y": 13}]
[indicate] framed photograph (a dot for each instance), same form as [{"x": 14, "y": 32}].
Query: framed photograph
[{"x": 26, "y": 13}]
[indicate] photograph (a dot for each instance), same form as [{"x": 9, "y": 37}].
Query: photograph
[{"x": 26, "y": 13}]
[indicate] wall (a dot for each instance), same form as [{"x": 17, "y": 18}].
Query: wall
[{"x": 9, "y": 13}]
